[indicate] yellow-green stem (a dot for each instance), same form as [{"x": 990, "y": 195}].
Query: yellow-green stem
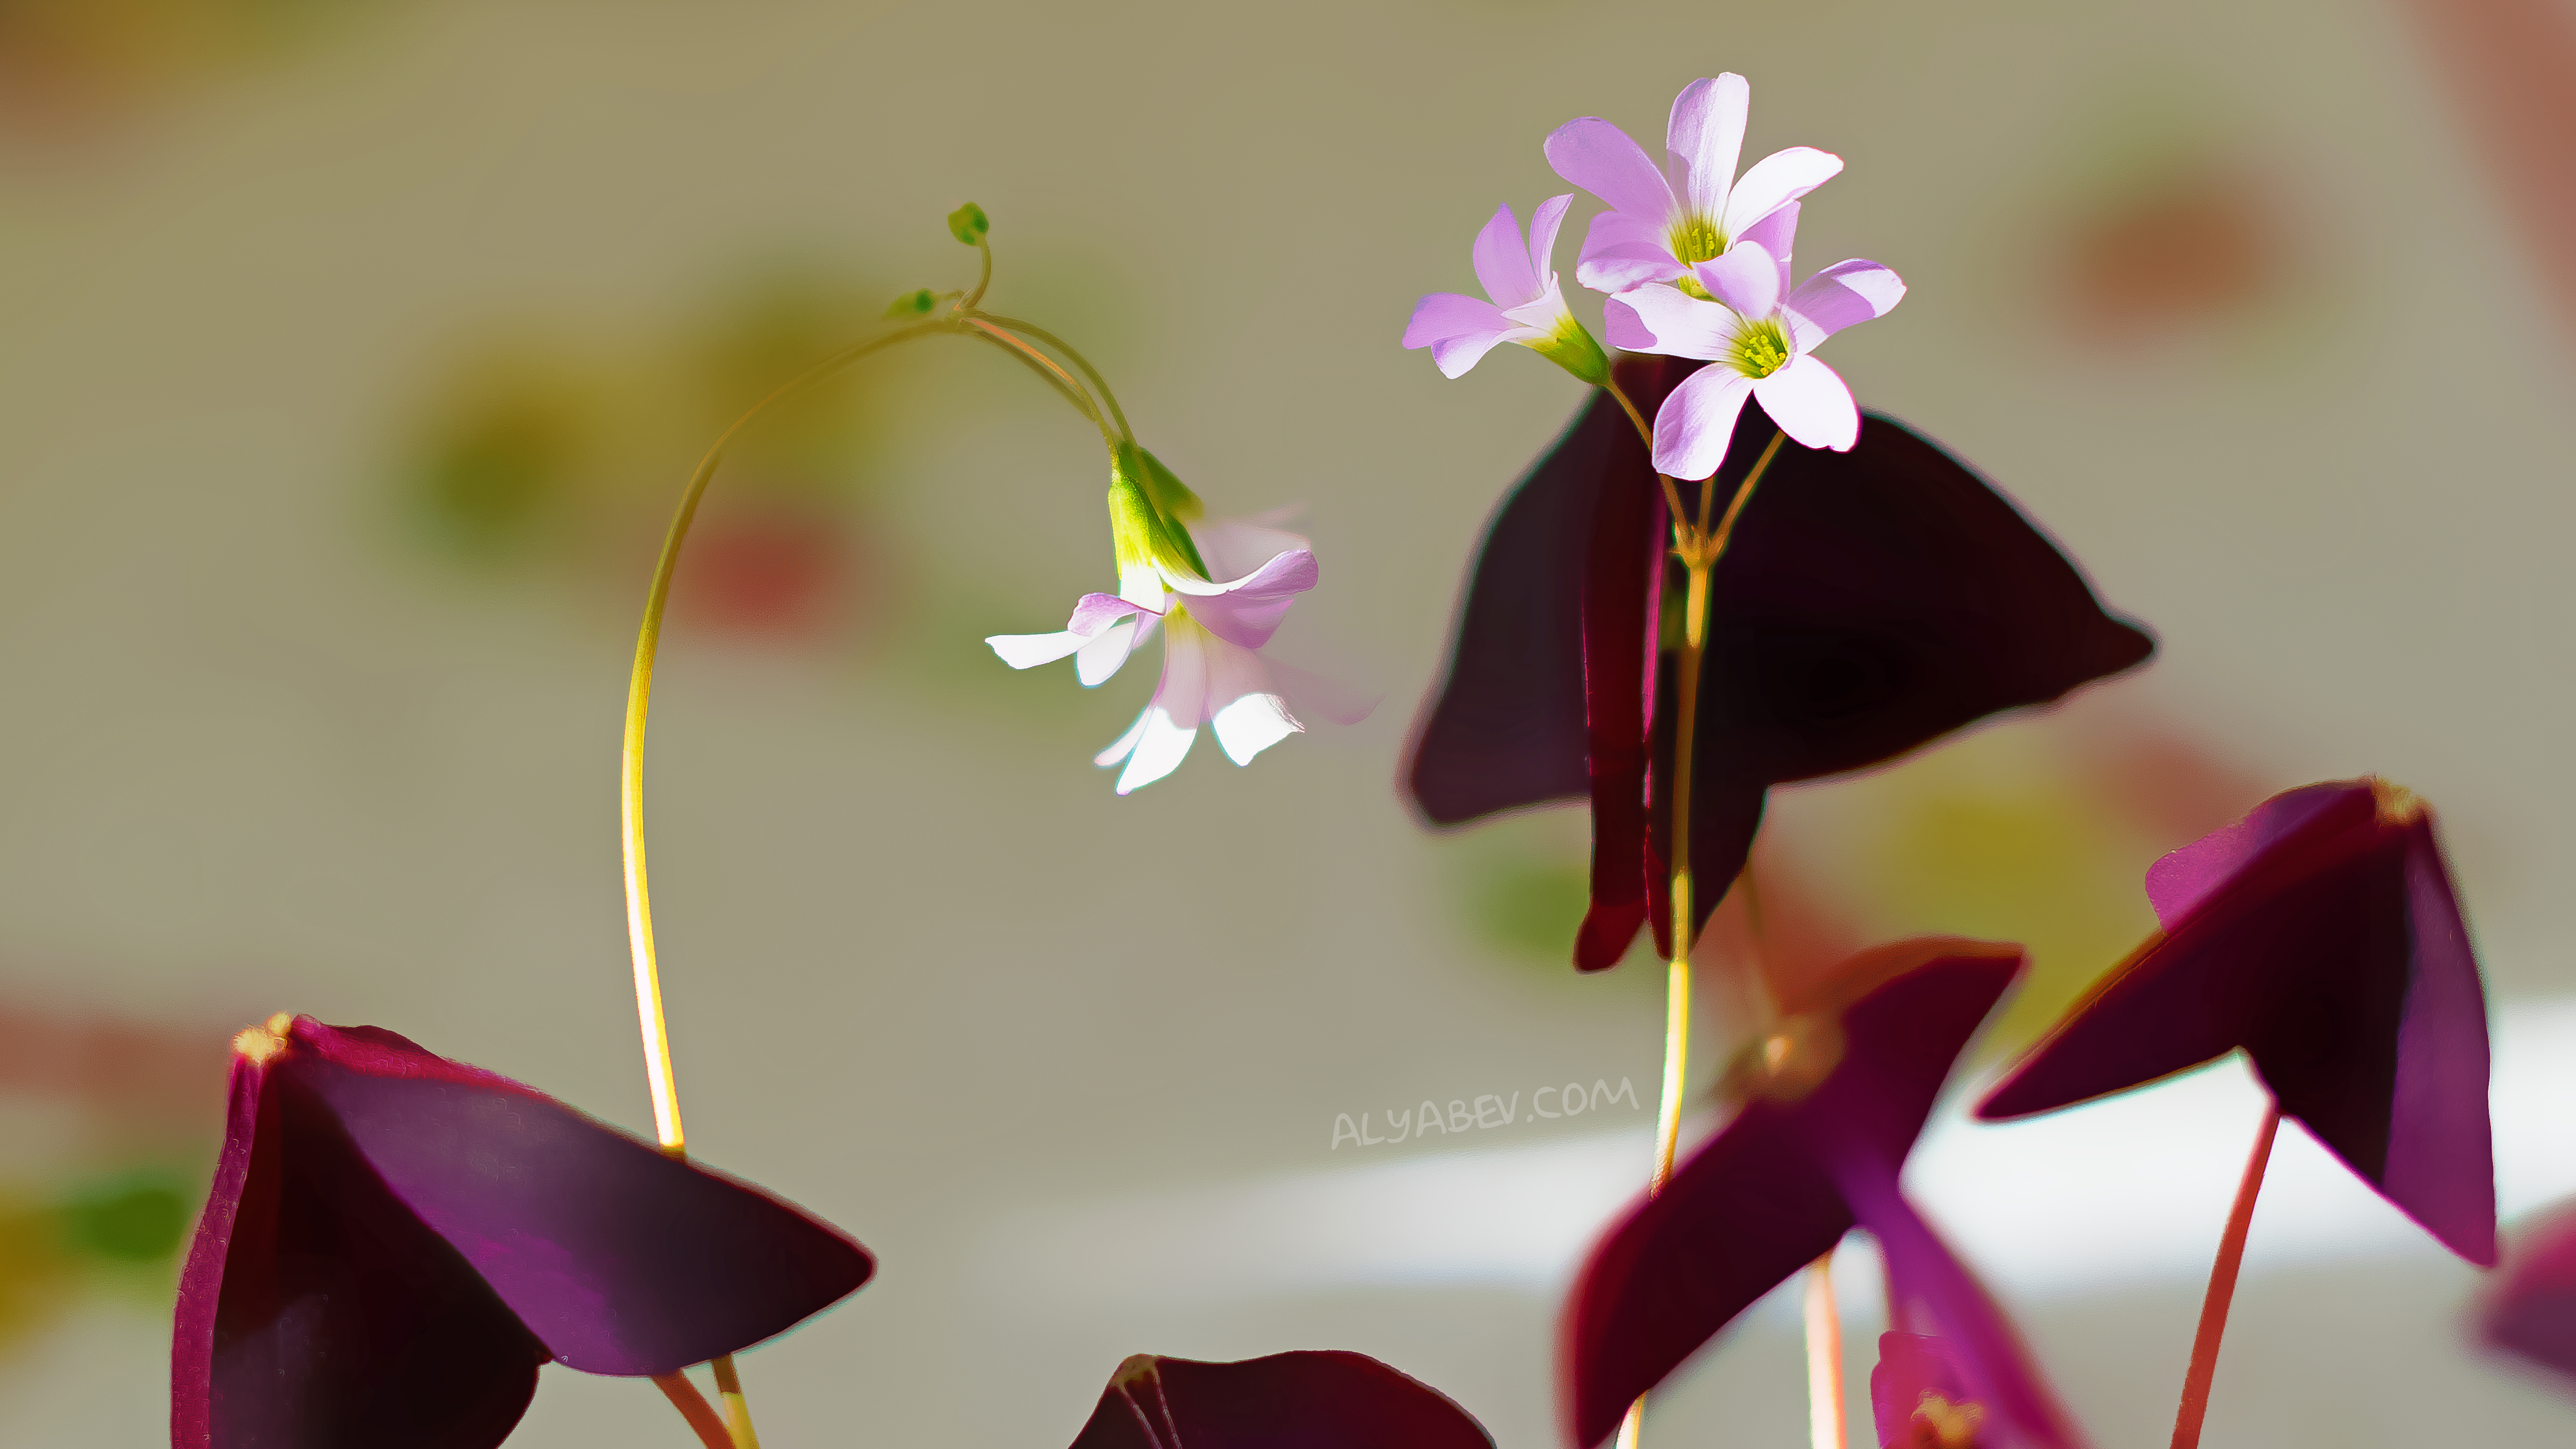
[
  {"x": 1099, "y": 383},
  {"x": 737, "y": 1408}
]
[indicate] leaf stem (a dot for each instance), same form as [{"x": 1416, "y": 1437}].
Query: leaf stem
[
  {"x": 1824, "y": 1357},
  {"x": 737, "y": 1408},
  {"x": 693, "y": 1406},
  {"x": 2222, "y": 1287}
]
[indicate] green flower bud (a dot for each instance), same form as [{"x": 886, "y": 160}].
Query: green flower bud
[
  {"x": 912, "y": 304},
  {"x": 968, "y": 224}
]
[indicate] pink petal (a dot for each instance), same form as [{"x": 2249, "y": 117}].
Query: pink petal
[
  {"x": 1095, "y": 612},
  {"x": 1677, "y": 325},
  {"x": 1811, "y": 404},
  {"x": 1773, "y": 182},
  {"x": 1458, "y": 330},
  {"x": 1320, "y": 696},
  {"x": 1747, "y": 279},
  {"x": 1776, "y": 234},
  {"x": 1625, "y": 330},
  {"x": 1544, "y": 224},
  {"x": 1622, "y": 251},
  {"x": 1599, "y": 157},
  {"x": 1250, "y": 614},
  {"x": 1501, "y": 262},
  {"x": 1840, "y": 295},
  {"x": 1693, "y": 426},
  {"x": 1704, "y": 139},
  {"x": 1234, "y": 547}
]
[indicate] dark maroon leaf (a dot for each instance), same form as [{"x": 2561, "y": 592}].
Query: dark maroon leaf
[
  {"x": 1833, "y": 1101},
  {"x": 2320, "y": 934},
  {"x": 2530, "y": 1310},
  {"x": 1871, "y": 601},
  {"x": 396, "y": 1241},
  {"x": 1311, "y": 1400}
]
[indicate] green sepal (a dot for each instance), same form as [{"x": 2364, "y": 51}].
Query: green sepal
[
  {"x": 1147, "y": 506},
  {"x": 1573, "y": 349},
  {"x": 968, "y": 224},
  {"x": 912, "y": 304}
]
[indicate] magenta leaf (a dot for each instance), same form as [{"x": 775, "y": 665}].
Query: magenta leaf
[
  {"x": 2323, "y": 937},
  {"x": 396, "y": 1241},
  {"x": 1309, "y": 1400},
  {"x": 2530, "y": 1308},
  {"x": 1833, "y": 1103}
]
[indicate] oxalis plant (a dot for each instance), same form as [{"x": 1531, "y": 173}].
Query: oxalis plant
[{"x": 1723, "y": 575}]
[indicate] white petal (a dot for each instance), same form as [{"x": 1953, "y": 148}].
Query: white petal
[
  {"x": 1028, "y": 651},
  {"x": 1161, "y": 745},
  {"x": 1126, "y": 743},
  {"x": 1781, "y": 177},
  {"x": 1812, "y": 404},
  {"x": 1252, "y": 724},
  {"x": 1696, "y": 423},
  {"x": 1098, "y": 659},
  {"x": 1839, "y": 296}
]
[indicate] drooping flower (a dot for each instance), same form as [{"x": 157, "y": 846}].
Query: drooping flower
[
  {"x": 1761, "y": 338},
  {"x": 1527, "y": 306},
  {"x": 1285, "y": 1401},
  {"x": 1665, "y": 221},
  {"x": 1831, "y": 1102},
  {"x": 2529, "y": 1309},
  {"x": 2320, "y": 935},
  {"x": 1871, "y": 601},
  {"x": 395, "y": 1242},
  {"x": 1918, "y": 1398},
  {"x": 1213, "y": 673}
]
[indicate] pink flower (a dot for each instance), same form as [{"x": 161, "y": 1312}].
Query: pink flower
[
  {"x": 1663, "y": 222},
  {"x": 1763, "y": 338},
  {"x": 1528, "y": 306},
  {"x": 1213, "y": 672}
]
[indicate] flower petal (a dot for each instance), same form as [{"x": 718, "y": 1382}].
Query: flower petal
[
  {"x": 1693, "y": 426},
  {"x": 1346, "y": 1400},
  {"x": 1100, "y": 656},
  {"x": 1776, "y": 234},
  {"x": 1251, "y": 724},
  {"x": 1774, "y": 181},
  {"x": 1839, "y": 296},
  {"x": 1126, "y": 743},
  {"x": 1746, "y": 278},
  {"x": 1544, "y": 224},
  {"x": 1162, "y": 742},
  {"x": 1812, "y": 404},
  {"x": 1704, "y": 139},
  {"x": 1028, "y": 651},
  {"x": 1248, "y": 610},
  {"x": 1621, "y": 251},
  {"x": 1458, "y": 330},
  {"x": 1667, "y": 321},
  {"x": 1599, "y": 157},
  {"x": 1502, "y": 260}
]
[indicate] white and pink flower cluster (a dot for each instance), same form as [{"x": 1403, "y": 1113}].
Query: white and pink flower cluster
[{"x": 1695, "y": 261}]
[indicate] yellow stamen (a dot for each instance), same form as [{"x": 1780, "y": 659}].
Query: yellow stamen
[
  {"x": 1940, "y": 1424},
  {"x": 1697, "y": 239},
  {"x": 2398, "y": 805}
]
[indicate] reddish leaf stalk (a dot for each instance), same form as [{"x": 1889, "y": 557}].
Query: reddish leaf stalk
[
  {"x": 2222, "y": 1288},
  {"x": 693, "y": 1406}
]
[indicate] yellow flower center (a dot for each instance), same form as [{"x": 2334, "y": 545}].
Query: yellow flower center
[
  {"x": 1761, "y": 349},
  {"x": 263, "y": 1042},
  {"x": 1696, "y": 239},
  {"x": 1940, "y": 1424}
]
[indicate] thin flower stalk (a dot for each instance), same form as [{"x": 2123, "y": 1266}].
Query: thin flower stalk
[{"x": 961, "y": 319}]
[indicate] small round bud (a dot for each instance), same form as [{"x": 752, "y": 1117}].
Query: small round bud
[
  {"x": 912, "y": 304},
  {"x": 968, "y": 224}
]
